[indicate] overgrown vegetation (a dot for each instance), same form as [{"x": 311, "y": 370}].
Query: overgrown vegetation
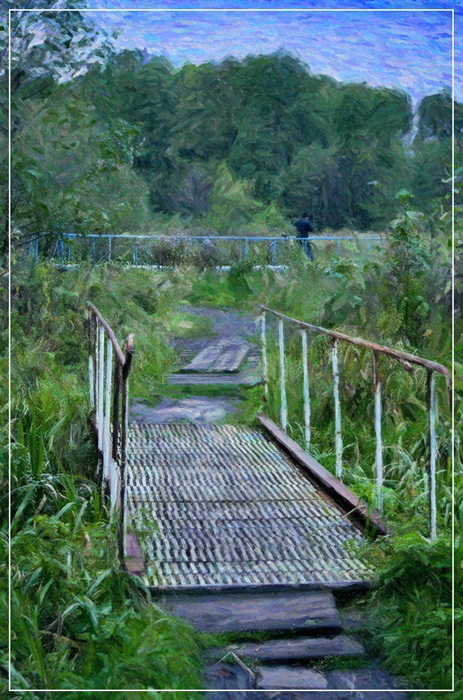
[
  {"x": 130, "y": 144},
  {"x": 78, "y": 621}
]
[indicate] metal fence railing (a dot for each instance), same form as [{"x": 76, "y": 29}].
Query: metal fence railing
[
  {"x": 206, "y": 251},
  {"x": 109, "y": 368},
  {"x": 405, "y": 360}
]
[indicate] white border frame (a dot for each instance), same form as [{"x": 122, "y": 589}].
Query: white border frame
[{"x": 226, "y": 9}]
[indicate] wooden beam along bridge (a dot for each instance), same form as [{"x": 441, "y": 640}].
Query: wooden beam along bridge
[
  {"x": 214, "y": 506},
  {"x": 166, "y": 251}
]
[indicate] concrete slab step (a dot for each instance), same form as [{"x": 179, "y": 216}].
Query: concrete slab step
[
  {"x": 293, "y": 650},
  {"x": 239, "y": 612}
]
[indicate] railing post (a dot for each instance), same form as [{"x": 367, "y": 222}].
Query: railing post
[
  {"x": 281, "y": 348},
  {"x": 124, "y": 431},
  {"x": 306, "y": 389},
  {"x": 378, "y": 431},
  {"x": 110, "y": 247},
  {"x": 135, "y": 253},
  {"x": 263, "y": 336},
  {"x": 107, "y": 408},
  {"x": 246, "y": 248},
  {"x": 274, "y": 252},
  {"x": 93, "y": 250},
  {"x": 337, "y": 408},
  {"x": 116, "y": 392},
  {"x": 432, "y": 414},
  {"x": 91, "y": 360},
  {"x": 101, "y": 378}
]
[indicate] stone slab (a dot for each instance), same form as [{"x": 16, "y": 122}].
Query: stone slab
[
  {"x": 363, "y": 679},
  {"x": 225, "y": 678},
  {"x": 193, "y": 409},
  {"x": 294, "y": 650},
  {"x": 290, "y": 678},
  {"x": 237, "y": 612}
]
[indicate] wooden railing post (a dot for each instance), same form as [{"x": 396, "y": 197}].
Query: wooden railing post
[
  {"x": 378, "y": 432},
  {"x": 106, "y": 449},
  {"x": 101, "y": 378},
  {"x": 432, "y": 416},
  {"x": 337, "y": 408},
  {"x": 306, "y": 390},
  {"x": 283, "y": 401},
  {"x": 263, "y": 336},
  {"x": 123, "y": 462}
]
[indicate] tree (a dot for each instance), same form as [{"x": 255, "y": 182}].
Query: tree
[{"x": 69, "y": 42}]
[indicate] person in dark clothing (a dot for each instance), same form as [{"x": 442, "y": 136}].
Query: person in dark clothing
[{"x": 304, "y": 227}]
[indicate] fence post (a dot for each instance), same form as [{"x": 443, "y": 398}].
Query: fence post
[
  {"x": 135, "y": 252},
  {"x": 274, "y": 252},
  {"x": 337, "y": 408},
  {"x": 432, "y": 413},
  {"x": 378, "y": 431},
  {"x": 93, "y": 250},
  {"x": 101, "y": 378},
  {"x": 91, "y": 361},
  {"x": 110, "y": 247},
  {"x": 107, "y": 408},
  {"x": 246, "y": 248},
  {"x": 263, "y": 336},
  {"x": 306, "y": 389},
  {"x": 281, "y": 348},
  {"x": 124, "y": 431},
  {"x": 116, "y": 392}
]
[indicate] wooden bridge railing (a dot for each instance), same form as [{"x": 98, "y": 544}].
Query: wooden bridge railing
[
  {"x": 406, "y": 360},
  {"x": 109, "y": 368}
]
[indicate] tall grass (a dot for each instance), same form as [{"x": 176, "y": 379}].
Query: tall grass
[{"x": 78, "y": 621}]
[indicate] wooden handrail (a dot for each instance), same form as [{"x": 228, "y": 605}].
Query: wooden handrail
[
  {"x": 111, "y": 335},
  {"x": 384, "y": 349}
]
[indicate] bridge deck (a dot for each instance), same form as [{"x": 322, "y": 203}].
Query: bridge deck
[{"x": 224, "y": 505}]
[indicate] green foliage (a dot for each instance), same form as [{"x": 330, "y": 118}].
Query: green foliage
[
  {"x": 78, "y": 621},
  {"x": 413, "y": 605}
]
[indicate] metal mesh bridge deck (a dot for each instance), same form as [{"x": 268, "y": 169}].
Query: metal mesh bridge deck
[{"x": 224, "y": 505}]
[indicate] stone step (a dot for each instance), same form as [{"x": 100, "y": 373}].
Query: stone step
[
  {"x": 347, "y": 684},
  {"x": 293, "y": 650},
  {"x": 246, "y": 378},
  {"x": 307, "y": 612},
  {"x": 229, "y": 681}
]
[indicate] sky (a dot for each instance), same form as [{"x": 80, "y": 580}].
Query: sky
[{"x": 406, "y": 50}]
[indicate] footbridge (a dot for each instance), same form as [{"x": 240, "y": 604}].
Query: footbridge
[
  {"x": 205, "y": 504},
  {"x": 238, "y": 528}
]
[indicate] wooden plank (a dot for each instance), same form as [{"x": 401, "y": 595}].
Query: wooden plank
[
  {"x": 232, "y": 357},
  {"x": 134, "y": 560},
  {"x": 244, "y": 612},
  {"x": 203, "y": 361},
  {"x": 292, "y": 650},
  {"x": 192, "y": 379},
  {"x": 340, "y": 493},
  {"x": 225, "y": 355}
]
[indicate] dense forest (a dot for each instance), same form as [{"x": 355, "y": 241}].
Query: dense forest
[
  {"x": 120, "y": 141},
  {"x": 126, "y": 142}
]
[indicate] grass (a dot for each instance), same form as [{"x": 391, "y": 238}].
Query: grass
[{"x": 77, "y": 619}]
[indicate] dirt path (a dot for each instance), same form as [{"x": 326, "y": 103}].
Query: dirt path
[{"x": 199, "y": 408}]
